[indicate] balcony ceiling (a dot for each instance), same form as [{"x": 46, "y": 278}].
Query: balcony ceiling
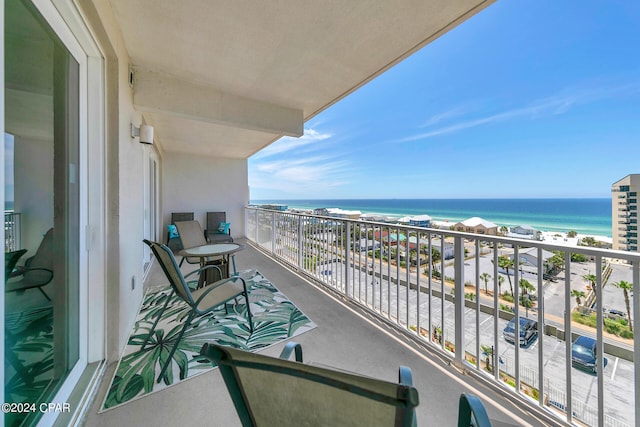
[{"x": 227, "y": 78}]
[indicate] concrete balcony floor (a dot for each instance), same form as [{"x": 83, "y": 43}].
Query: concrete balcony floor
[{"x": 345, "y": 338}]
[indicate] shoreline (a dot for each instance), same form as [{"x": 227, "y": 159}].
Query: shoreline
[
  {"x": 586, "y": 216},
  {"x": 548, "y": 236}
]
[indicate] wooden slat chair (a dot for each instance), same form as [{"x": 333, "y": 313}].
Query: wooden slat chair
[{"x": 201, "y": 301}]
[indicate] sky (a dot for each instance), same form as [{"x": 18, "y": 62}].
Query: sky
[{"x": 525, "y": 99}]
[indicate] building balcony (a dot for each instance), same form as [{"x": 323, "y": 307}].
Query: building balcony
[
  {"x": 346, "y": 337},
  {"x": 374, "y": 314},
  {"x": 379, "y": 281}
]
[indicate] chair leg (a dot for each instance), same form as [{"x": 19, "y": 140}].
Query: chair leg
[
  {"x": 44, "y": 293},
  {"x": 153, "y": 328},
  {"x": 246, "y": 297},
  {"x": 175, "y": 346}
]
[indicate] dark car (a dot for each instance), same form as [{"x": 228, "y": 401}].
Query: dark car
[
  {"x": 528, "y": 331},
  {"x": 583, "y": 354}
]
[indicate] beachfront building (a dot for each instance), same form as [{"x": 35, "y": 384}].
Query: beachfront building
[
  {"x": 624, "y": 213},
  {"x": 338, "y": 213},
  {"x": 524, "y": 232},
  {"x": 477, "y": 225},
  {"x": 420, "y": 221}
]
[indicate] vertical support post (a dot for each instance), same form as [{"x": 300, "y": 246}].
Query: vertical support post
[
  {"x": 516, "y": 305},
  {"x": 347, "y": 259},
  {"x": 599, "y": 340},
  {"x": 257, "y": 226},
  {"x": 636, "y": 343},
  {"x": 496, "y": 291},
  {"x": 418, "y": 323},
  {"x": 273, "y": 233},
  {"x": 541, "y": 328},
  {"x": 567, "y": 333},
  {"x": 301, "y": 242},
  {"x": 459, "y": 300}
]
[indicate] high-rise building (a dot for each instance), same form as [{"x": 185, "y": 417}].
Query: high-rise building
[{"x": 624, "y": 213}]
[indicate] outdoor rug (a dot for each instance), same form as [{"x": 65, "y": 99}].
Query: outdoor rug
[{"x": 275, "y": 319}]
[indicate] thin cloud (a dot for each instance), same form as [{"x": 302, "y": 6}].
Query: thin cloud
[
  {"x": 288, "y": 143},
  {"x": 445, "y": 116},
  {"x": 555, "y": 105},
  {"x": 302, "y": 175}
]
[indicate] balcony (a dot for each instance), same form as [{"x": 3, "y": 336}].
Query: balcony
[
  {"x": 324, "y": 250},
  {"x": 347, "y": 337},
  {"x": 368, "y": 321}
]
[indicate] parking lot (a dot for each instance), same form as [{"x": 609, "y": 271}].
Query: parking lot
[{"x": 617, "y": 376}]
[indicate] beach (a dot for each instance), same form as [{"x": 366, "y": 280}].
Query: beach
[{"x": 587, "y": 217}]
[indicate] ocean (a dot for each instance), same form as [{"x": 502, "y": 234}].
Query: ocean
[{"x": 586, "y": 216}]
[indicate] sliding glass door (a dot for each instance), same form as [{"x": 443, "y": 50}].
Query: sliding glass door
[{"x": 42, "y": 121}]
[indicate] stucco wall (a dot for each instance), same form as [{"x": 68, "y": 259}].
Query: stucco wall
[
  {"x": 125, "y": 182},
  {"x": 193, "y": 183}
]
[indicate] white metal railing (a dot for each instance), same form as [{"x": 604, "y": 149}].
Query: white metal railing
[
  {"x": 11, "y": 231},
  {"x": 395, "y": 272}
]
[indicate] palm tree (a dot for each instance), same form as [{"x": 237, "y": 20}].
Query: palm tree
[
  {"x": 578, "y": 294},
  {"x": 591, "y": 278},
  {"x": 485, "y": 277},
  {"x": 500, "y": 282},
  {"x": 506, "y": 263},
  {"x": 526, "y": 286},
  {"x": 435, "y": 257},
  {"x": 626, "y": 287}
]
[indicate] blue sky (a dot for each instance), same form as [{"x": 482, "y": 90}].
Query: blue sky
[{"x": 525, "y": 99}]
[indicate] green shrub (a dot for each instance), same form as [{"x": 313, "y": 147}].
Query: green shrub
[
  {"x": 507, "y": 297},
  {"x": 505, "y": 307},
  {"x": 578, "y": 258}
]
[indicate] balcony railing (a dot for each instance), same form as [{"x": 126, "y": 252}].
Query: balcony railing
[
  {"x": 395, "y": 273},
  {"x": 11, "y": 231}
]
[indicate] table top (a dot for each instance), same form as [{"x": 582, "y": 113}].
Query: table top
[{"x": 212, "y": 250}]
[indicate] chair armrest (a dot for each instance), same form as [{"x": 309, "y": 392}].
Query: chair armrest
[
  {"x": 404, "y": 376},
  {"x": 471, "y": 412},
  {"x": 292, "y": 347},
  {"x": 219, "y": 283}
]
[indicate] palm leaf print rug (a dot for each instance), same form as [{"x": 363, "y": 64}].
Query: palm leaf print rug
[{"x": 275, "y": 319}]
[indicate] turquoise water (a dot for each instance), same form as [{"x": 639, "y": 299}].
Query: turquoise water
[{"x": 586, "y": 216}]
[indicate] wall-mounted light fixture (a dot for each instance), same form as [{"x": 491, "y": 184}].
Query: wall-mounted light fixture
[{"x": 145, "y": 132}]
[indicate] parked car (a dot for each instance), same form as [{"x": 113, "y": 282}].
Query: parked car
[
  {"x": 528, "y": 331},
  {"x": 584, "y": 355}
]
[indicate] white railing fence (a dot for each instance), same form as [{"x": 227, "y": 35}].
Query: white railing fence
[{"x": 432, "y": 284}]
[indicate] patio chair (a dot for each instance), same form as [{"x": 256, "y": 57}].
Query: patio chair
[
  {"x": 471, "y": 412},
  {"x": 191, "y": 236},
  {"x": 10, "y": 261},
  {"x": 173, "y": 241},
  {"x": 37, "y": 271},
  {"x": 201, "y": 301},
  {"x": 214, "y": 232},
  {"x": 273, "y": 391}
]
